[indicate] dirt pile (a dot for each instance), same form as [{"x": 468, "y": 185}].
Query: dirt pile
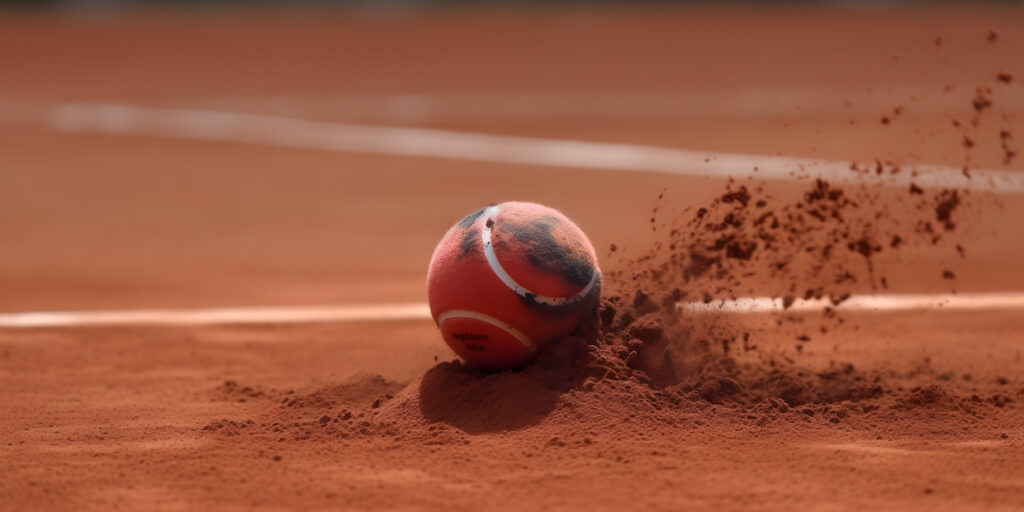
[{"x": 641, "y": 358}]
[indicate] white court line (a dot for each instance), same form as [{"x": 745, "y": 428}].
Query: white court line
[
  {"x": 870, "y": 303},
  {"x": 218, "y": 316},
  {"x": 796, "y": 102},
  {"x": 432, "y": 143},
  {"x": 421, "y": 311}
]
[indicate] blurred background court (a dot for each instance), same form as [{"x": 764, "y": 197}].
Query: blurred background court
[{"x": 97, "y": 220}]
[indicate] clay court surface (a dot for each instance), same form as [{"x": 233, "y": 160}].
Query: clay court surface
[{"x": 917, "y": 409}]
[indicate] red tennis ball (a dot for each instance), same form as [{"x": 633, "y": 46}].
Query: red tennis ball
[{"x": 508, "y": 278}]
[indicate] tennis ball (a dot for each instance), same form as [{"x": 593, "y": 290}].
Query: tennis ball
[{"x": 508, "y": 278}]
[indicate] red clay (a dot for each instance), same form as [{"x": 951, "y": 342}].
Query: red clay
[{"x": 641, "y": 408}]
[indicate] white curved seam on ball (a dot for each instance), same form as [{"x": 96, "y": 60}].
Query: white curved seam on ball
[
  {"x": 465, "y": 313},
  {"x": 492, "y": 260}
]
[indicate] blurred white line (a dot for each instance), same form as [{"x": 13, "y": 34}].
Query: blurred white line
[
  {"x": 421, "y": 311},
  {"x": 432, "y": 143},
  {"x": 877, "y": 303},
  {"x": 218, "y": 316}
]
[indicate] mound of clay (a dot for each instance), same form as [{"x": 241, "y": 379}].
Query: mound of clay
[
  {"x": 640, "y": 358},
  {"x": 291, "y": 412}
]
